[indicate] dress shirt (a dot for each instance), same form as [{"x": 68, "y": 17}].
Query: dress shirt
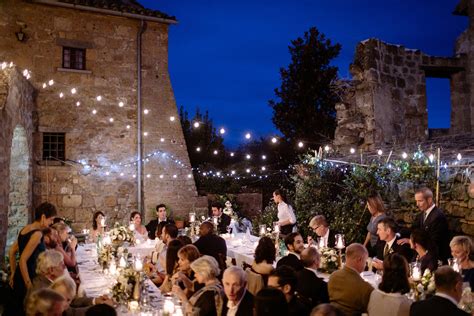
[
  {"x": 325, "y": 239},
  {"x": 428, "y": 211},
  {"x": 232, "y": 309}
]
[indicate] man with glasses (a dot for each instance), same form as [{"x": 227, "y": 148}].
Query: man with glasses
[{"x": 326, "y": 236}]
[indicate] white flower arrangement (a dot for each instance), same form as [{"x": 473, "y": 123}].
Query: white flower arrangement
[
  {"x": 122, "y": 290},
  {"x": 329, "y": 259},
  {"x": 120, "y": 234}
]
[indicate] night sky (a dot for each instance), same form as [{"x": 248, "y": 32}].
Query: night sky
[{"x": 225, "y": 56}]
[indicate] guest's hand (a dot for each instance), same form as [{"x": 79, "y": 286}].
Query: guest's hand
[
  {"x": 403, "y": 241},
  {"x": 73, "y": 243},
  {"x": 310, "y": 240},
  {"x": 179, "y": 293},
  {"x": 377, "y": 264},
  {"x": 104, "y": 299}
]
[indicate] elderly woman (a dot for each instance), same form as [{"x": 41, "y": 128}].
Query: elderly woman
[
  {"x": 462, "y": 249},
  {"x": 98, "y": 226},
  {"x": 185, "y": 275},
  {"x": 45, "y": 302},
  {"x": 208, "y": 299},
  {"x": 140, "y": 231},
  {"x": 377, "y": 212}
]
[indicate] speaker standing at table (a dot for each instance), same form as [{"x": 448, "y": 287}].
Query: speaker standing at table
[{"x": 286, "y": 214}]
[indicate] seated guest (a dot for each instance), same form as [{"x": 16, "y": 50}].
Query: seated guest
[
  {"x": 66, "y": 286},
  {"x": 161, "y": 217},
  {"x": 310, "y": 286},
  {"x": 101, "y": 310},
  {"x": 237, "y": 301},
  {"x": 284, "y": 279},
  {"x": 389, "y": 299},
  {"x": 295, "y": 245},
  {"x": 185, "y": 275},
  {"x": 462, "y": 250},
  {"x": 262, "y": 266},
  {"x": 208, "y": 299},
  {"x": 157, "y": 273},
  {"x": 98, "y": 226},
  {"x": 140, "y": 232},
  {"x": 171, "y": 264},
  {"x": 270, "y": 302},
  {"x": 326, "y": 236},
  {"x": 420, "y": 242},
  {"x": 387, "y": 232},
  {"x": 223, "y": 219},
  {"x": 67, "y": 246},
  {"x": 448, "y": 294},
  {"x": 377, "y": 211},
  {"x": 160, "y": 245},
  {"x": 185, "y": 240},
  {"x": 211, "y": 244},
  {"x": 45, "y": 302},
  {"x": 326, "y": 310},
  {"x": 347, "y": 290},
  {"x": 49, "y": 267}
]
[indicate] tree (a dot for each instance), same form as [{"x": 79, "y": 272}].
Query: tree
[{"x": 306, "y": 106}]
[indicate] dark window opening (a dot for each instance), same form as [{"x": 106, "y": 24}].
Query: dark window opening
[
  {"x": 438, "y": 99},
  {"x": 74, "y": 58},
  {"x": 54, "y": 146}
]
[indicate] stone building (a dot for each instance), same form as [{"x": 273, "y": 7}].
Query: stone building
[
  {"x": 97, "y": 98},
  {"x": 385, "y": 102}
]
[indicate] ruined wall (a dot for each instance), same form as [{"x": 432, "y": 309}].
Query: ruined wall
[
  {"x": 100, "y": 140},
  {"x": 17, "y": 116}
]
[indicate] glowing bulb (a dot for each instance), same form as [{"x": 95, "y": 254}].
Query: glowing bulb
[
  {"x": 111, "y": 120},
  {"x": 247, "y": 170},
  {"x": 73, "y": 90},
  {"x": 274, "y": 140},
  {"x": 134, "y": 176},
  {"x": 128, "y": 126},
  {"x": 222, "y": 131},
  {"x": 327, "y": 148},
  {"x": 248, "y": 156},
  {"x": 352, "y": 150},
  {"x": 459, "y": 157},
  {"x": 232, "y": 154},
  {"x": 215, "y": 152},
  {"x": 431, "y": 157},
  {"x": 121, "y": 174},
  {"x": 248, "y": 136},
  {"x": 145, "y": 133},
  {"x": 4, "y": 65},
  {"x": 198, "y": 149},
  {"x": 146, "y": 111},
  {"x": 44, "y": 85},
  {"x": 379, "y": 152},
  {"x": 61, "y": 94},
  {"x": 11, "y": 64},
  {"x": 99, "y": 98},
  {"x": 196, "y": 124},
  {"x": 232, "y": 172},
  {"x": 404, "y": 155},
  {"x": 161, "y": 176},
  {"x": 218, "y": 173},
  {"x": 107, "y": 173},
  {"x": 25, "y": 72},
  {"x": 148, "y": 175},
  {"x": 121, "y": 104},
  {"x": 263, "y": 168},
  {"x": 190, "y": 175},
  {"x": 264, "y": 157},
  {"x": 78, "y": 103},
  {"x": 51, "y": 82},
  {"x": 162, "y": 139},
  {"x": 300, "y": 144},
  {"x": 94, "y": 111},
  {"x": 172, "y": 118},
  {"x": 175, "y": 176}
]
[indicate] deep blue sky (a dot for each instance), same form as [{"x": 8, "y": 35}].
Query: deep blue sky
[{"x": 225, "y": 56}]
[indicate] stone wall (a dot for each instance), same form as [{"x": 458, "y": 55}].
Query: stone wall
[
  {"x": 18, "y": 123},
  {"x": 110, "y": 147}
]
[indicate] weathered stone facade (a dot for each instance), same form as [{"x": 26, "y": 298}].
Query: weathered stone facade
[
  {"x": 385, "y": 102},
  {"x": 100, "y": 140}
]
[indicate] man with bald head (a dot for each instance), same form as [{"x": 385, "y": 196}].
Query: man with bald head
[
  {"x": 211, "y": 244},
  {"x": 347, "y": 290},
  {"x": 309, "y": 285},
  {"x": 237, "y": 301}
]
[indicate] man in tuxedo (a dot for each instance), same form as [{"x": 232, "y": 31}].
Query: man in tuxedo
[
  {"x": 223, "y": 219},
  {"x": 448, "y": 294},
  {"x": 433, "y": 221},
  {"x": 211, "y": 244},
  {"x": 326, "y": 236},
  {"x": 295, "y": 245},
  {"x": 387, "y": 244},
  {"x": 284, "y": 278},
  {"x": 161, "y": 216},
  {"x": 347, "y": 290},
  {"x": 237, "y": 301},
  {"x": 310, "y": 286}
]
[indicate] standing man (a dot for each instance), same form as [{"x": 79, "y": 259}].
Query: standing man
[
  {"x": 237, "y": 301},
  {"x": 433, "y": 221},
  {"x": 295, "y": 245},
  {"x": 326, "y": 236},
  {"x": 223, "y": 219},
  {"x": 161, "y": 216}
]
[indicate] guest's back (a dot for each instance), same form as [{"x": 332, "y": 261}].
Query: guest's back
[
  {"x": 388, "y": 304},
  {"x": 214, "y": 246}
]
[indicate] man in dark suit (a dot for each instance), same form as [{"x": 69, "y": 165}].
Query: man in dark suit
[
  {"x": 387, "y": 244},
  {"x": 237, "y": 301},
  {"x": 161, "y": 216},
  {"x": 310, "y": 286},
  {"x": 223, "y": 220},
  {"x": 433, "y": 221},
  {"x": 284, "y": 278},
  {"x": 212, "y": 245},
  {"x": 295, "y": 245},
  {"x": 326, "y": 236},
  {"x": 448, "y": 294}
]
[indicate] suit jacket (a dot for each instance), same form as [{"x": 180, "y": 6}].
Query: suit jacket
[
  {"x": 436, "y": 226},
  {"x": 224, "y": 221},
  {"x": 215, "y": 246},
  {"x": 436, "y": 306},
  {"x": 312, "y": 288},
  {"x": 349, "y": 292},
  {"x": 291, "y": 261},
  {"x": 153, "y": 224},
  {"x": 245, "y": 307},
  {"x": 403, "y": 250}
]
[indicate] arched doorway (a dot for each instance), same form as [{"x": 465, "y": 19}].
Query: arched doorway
[{"x": 19, "y": 195}]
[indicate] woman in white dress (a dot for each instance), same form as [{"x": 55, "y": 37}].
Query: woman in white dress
[
  {"x": 140, "y": 231},
  {"x": 286, "y": 215}
]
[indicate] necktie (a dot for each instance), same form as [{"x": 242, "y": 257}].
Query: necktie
[{"x": 385, "y": 250}]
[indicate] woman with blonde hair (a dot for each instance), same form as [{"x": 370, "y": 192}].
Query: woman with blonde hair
[
  {"x": 45, "y": 302},
  {"x": 462, "y": 250},
  {"x": 377, "y": 212},
  {"x": 209, "y": 299}
]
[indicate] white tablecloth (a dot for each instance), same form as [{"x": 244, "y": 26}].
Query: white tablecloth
[{"x": 241, "y": 248}]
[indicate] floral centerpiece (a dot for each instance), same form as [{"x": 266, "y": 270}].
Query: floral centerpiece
[
  {"x": 127, "y": 283},
  {"x": 425, "y": 286},
  {"x": 121, "y": 234},
  {"x": 329, "y": 260},
  {"x": 107, "y": 253}
]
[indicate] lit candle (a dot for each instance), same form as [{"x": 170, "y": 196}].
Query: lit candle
[
  {"x": 340, "y": 241},
  {"x": 102, "y": 222},
  {"x": 112, "y": 267},
  {"x": 276, "y": 227},
  {"x": 456, "y": 266},
  {"x": 138, "y": 264},
  {"x": 131, "y": 226},
  {"x": 262, "y": 230},
  {"x": 133, "y": 306},
  {"x": 107, "y": 240},
  {"x": 123, "y": 262},
  {"x": 192, "y": 217},
  {"x": 168, "y": 306},
  {"x": 416, "y": 273},
  {"x": 216, "y": 220}
]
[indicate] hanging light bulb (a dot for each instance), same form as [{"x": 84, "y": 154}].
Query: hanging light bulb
[
  {"x": 172, "y": 118},
  {"x": 264, "y": 157},
  {"x": 459, "y": 156},
  {"x": 232, "y": 172},
  {"x": 222, "y": 131},
  {"x": 352, "y": 150},
  {"x": 247, "y": 170},
  {"x": 51, "y": 82},
  {"x": 44, "y": 85},
  {"x": 120, "y": 104},
  {"x": 73, "y": 90},
  {"x": 248, "y": 156},
  {"x": 61, "y": 95},
  {"x": 198, "y": 149},
  {"x": 94, "y": 111},
  {"x": 161, "y": 176},
  {"x": 263, "y": 168},
  {"x": 327, "y": 148},
  {"x": 78, "y": 103},
  {"x": 232, "y": 154},
  {"x": 404, "y": 155},
  {"x": 146, "y": 111},
  {"x": 111, "y": 120},
  {"x": 162, "y": 140},
  {"x": 196, "y": 124},
  {"x": 274, "y": 140},
  {"x": 379, "y": 152},
  {"x": 145, "y": 133},
  {"x": 300, "y": 144},
  {"x": 99, "y": 98},
  {"x": 248, "y": 136},
  {"x": 431, "y": 157},
  {"x": 215, "y": 152},
  {"x": 128, "y": 126}
]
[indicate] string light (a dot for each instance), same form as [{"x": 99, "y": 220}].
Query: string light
[
  {"x": 172, "y": 118},
  {"x": 44, "y": 85},
  {"x": 248, "y": 156},
  {"x": 145, "y": 133},
  {"x": 146, "y": 111},
  {"x": 352, "y": 150},
  {"x": 222, "y": 131},
  {"x": 120, "y": 104},
  {"x": 51, "y": 82},
  {"x": 61, "y": 95},
  {"x": 247, "y": 170},
  {"x": 73, "y": 90},
  {"x": 94, "y": 111},
  {"x": 128, "y": 126},
  {"x": 404, "y": 155},
  {"x": 111, "y": 120},
  {"x": 248, "y": 136},
  {"x": 431, "y": 157},
  {"x": 300, "y": 144},
  {"x": 161, "y": 176},
  {"x": 379, "y": 152},
  {"x": 121, "y": 174},
  {"x": 232, "y": 154},
  {"x": 190, "y": 176},
  {"x": 232, "y": 172},
  {"x": 175, "y": 176},
  {"x": 459, "y": 156},
  {"x": 263, "y": 168},
  {"x": 78, "y": 103},
  {"x": 264, "y": 157},
  {"x": 215, "y": 152},
  {"x": 274, "y": 140},
  {"x": 327, "y": 148},
  {"x": 198, "y": 149},
  {"x": 162, "y": 140},
  {"x": 196, "y": 124},
  {"x": 4, "y": 65},
  {"x": 99, "y": 98}
]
